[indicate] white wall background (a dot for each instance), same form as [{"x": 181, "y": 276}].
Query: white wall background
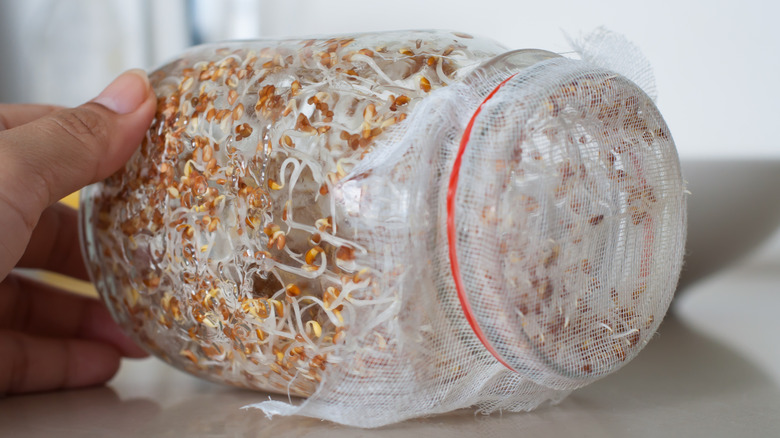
[{"x": 716, "y": 62}]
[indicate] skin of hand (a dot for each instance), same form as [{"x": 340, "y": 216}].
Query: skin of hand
[{"x": 50, "y": 339}]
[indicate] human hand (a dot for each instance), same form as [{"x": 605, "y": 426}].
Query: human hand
[{"x": 50, "y": 339}]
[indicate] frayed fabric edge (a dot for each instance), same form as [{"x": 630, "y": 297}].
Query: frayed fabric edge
[{"x": 613, "y": 51}]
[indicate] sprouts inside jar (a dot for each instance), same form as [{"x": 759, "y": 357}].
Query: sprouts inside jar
[{"x": 220, "y": 244}]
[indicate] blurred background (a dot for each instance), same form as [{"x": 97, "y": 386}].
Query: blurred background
[
  {"x": 715, "y": 64},
  {"x": 715, "y": 61}
]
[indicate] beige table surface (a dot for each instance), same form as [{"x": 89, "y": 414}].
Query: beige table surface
[{"x": 713, "y": 370}]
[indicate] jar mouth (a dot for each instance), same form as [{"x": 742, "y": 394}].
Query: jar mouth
[{"x": 566, "y": 221}]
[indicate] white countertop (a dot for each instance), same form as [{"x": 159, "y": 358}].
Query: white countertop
[{"x": 713, "y": 370}]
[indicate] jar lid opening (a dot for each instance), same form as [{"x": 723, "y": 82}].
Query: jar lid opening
[{"x": 563, "y": 217}]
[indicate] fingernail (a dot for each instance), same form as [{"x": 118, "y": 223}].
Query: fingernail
[{"x": 126, "y": 93}]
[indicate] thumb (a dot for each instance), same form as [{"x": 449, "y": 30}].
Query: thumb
[{"x": 46, "y": 159}]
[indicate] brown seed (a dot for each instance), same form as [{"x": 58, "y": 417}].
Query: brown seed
[
  {"x": 189, "y": 355},
  {"x": 278, "y": 239},
  {"x": 292, "y": 290},
  {"x": 289, "y": 108},
  {"x": 619, "y": 352},
  {"x": 359, "y": 275},
  {"x": 232, "y": 97},
  {"x": 151, "y": 282},
  {"x": 321, "y": 97},
  {"x": 552, "y": 257},
  {"x": 633, "y": 338},
  {"x": 369, "y": 112},
  {"x": 311, "y": 254},
  {"x": 366, "y": 130},
  {"x": 425, "y": 84},
  {"x": 639, "y": 291},
  {"x": 338, "y": 336},
  {"x": 213, "y": 225},
  {"x": 345, "y": 253},
  {"x": 401, "y": 100},
  {"x": 313, "y": 327},
  {"x": 638, "y": 216},
  {"x": 388, "y": 122},
  {"x": 302, "y": 124},
  {"x": 595, "y": 220},
  {"x": 278, "y": 307},
  {"x": 323, "y": 224},
  {"x": 186, "y": 84},
  {"x": 270, "y": 229},
  {"x": 238, "y": 111},
  {"x": 199, "y": 185},
  {"x": 329, "y": 296}
]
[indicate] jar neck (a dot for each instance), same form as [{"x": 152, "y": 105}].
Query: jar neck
[
  {"x": 503, "y": 67},
  {"x": 452, "y": 231},
  {"x": 496, "y": 69}
]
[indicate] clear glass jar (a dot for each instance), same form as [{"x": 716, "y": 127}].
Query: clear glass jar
[{"x": 392, "y": 224}]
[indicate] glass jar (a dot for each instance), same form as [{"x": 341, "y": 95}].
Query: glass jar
[{"x": 392, "y": 224}]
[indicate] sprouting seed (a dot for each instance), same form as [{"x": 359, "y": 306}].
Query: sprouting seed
[
  {"x": 311, "y": 254},
  {"x": 313, "y": 327},
  {"x": 293, "y": 290}
]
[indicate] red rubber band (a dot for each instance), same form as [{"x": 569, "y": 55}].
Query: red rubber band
[
  {"x": 647, "y": 250},
  {"x": 451, "y": 236}
]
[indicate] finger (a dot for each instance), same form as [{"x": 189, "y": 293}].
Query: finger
[
  {"x": 68, "y": 149},
  {"x": 39, "y": 309},
  {"x": 44, "y": 160},
  {"x": 31, "y": 363},
  {"x": 54, "y": 244},
  {"x": 13, "y": 115}
]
